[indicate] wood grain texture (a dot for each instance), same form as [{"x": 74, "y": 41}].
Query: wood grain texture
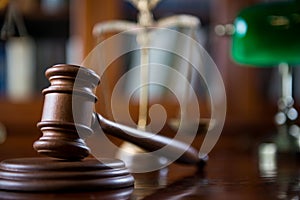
[{"x": 46, "y": 174}]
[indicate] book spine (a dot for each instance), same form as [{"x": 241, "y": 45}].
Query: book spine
[
  {"x": 49, "y": 52},
  {"x": 20, "y": 54},
  {"x": 2, "y": 69}
]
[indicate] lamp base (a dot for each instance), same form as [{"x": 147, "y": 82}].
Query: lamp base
[{"x": 46, "y": 174}]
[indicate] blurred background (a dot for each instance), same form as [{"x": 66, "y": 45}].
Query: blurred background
[{"x": 37, "y": 34}]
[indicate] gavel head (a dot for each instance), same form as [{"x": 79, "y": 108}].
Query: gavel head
[{"x": 68, "y": 107}]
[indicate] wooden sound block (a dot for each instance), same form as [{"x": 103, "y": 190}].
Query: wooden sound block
[
  {"x": 47, "y": 174},
  {"x": 122, "y": 193}
]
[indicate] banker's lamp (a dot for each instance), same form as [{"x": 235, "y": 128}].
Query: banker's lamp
[{"x": 268, "y": 35}]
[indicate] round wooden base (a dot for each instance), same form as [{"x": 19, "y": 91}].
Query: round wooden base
[{"x": 46, "y": 174}]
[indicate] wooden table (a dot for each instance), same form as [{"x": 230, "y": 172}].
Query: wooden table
[{"x": 234, "y": 171}]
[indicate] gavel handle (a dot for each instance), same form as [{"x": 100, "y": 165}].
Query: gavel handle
[{"x": 151, "y": 142}]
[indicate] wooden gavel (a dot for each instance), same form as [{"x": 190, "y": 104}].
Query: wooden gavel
[{"x": 69, "y": 109}]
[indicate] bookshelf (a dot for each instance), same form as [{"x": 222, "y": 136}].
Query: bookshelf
[
  {"x": 48, "y": 32},
  {"x": 21, "y": 113},
  {"x": 51, "y": 31}
]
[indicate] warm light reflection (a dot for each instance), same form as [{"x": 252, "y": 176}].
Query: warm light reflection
[{"x": 267, "y": 160}]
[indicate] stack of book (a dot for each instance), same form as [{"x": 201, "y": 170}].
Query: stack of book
[{"x": 23, "y": 62}]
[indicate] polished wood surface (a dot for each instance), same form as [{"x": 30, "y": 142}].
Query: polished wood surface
[{"x": 232, "y": 172}]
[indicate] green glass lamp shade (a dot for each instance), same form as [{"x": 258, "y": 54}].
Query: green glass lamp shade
[{"x": 267, "y": 34}]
